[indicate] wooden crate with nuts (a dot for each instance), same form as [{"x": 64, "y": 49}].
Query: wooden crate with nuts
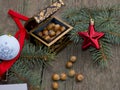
[{"x": 49, "y": 30}]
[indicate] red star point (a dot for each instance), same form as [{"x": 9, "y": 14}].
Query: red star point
[{"x": 91, "y": 37}]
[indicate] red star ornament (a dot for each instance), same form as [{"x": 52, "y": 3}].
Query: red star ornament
[{"x": 91, "y": 37}]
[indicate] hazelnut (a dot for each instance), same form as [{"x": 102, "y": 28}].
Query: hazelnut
[
  {"x": 69, "y": 64},
  {"x": 45, "y": 32},
  {"x": 50, "y": 26},
  {"x": 71, "y": 73},
  {"x": 47, "y": 37},
  {"x": 52, "y": 33},
  {"x": 58, "y": 32},
  {"x": 63, "y": 76},
  {"x": 57, "y": 27},
  {"x": 62, "y": 28},
  {"x": 73, "y": 59},
  {"x": 79, "y": 77},
  {"x": 40, "y": 34},
  {"x": 52, "y": 37},
  {"x": 56, "y": 77},
  {"x": 55, "y": 85}
]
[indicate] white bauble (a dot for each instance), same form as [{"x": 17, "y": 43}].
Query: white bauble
[{"x": 9, "y": 47}]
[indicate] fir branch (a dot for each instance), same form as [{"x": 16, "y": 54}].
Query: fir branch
[
  {"x": 104, "y": 54},
  {"x": 113, "y": 36},
  {"x": 27, "y": 67},
  {"x": 21, "y": 73},
  {"x": 106, "y": 20},
  {"x": 36, "y": 54}
]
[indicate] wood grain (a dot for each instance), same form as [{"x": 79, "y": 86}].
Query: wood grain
[{"x": 95, "y": 78}]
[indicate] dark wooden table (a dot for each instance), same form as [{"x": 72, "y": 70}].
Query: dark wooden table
[{"x": 95, "y": 78}]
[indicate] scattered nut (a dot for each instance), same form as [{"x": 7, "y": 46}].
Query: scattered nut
[
  {"x": 73, "y": 59},
  {"x": 56, "y": 77},
  {"x": 63, "y": 76},
  {"x": 71, "y": 73},
  {"x": 69, "y": 64},
  {"x": 55, "y": 85},
  {"x": 79, "y": 77}
]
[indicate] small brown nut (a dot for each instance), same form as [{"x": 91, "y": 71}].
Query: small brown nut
[
  {"x": 40, "y": 34},
  {"x": 71, "y": 73},
  {"x": 63, "y": 76},
  {"x": 50, "y": 26},
  {"x": 57, "y": 27},
  {"x": 52, "y": 38},
  {"x": 79, "y": 77},
  {"x": 58, "y": 32},
  {"x": 55, "y": 85},
  {"x": 45, "y": 32},
  {"x": 69, "y": 64},
  {"x": 62, "y": 28},
  {"x": 53, "y": 24},
  {"x": 73, "y": 59},
  {"x": 52, "y": 33},
  {"x": 55, "y": 77},
  {"x": 47, "y": 37}
]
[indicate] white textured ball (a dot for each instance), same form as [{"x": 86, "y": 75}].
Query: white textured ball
[{"x": 9, "y": 47}]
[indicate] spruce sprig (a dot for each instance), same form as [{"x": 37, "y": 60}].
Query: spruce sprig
[
  {"x": 106, "y": 20},
  {"x": 29, "y": 67}
]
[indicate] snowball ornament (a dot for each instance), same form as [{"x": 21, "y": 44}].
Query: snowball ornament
[{"x": 9, "y": 47}]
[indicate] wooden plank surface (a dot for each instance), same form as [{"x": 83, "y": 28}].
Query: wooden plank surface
[{"x": 95, "y": 78}]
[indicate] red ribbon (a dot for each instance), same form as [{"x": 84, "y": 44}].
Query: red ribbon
[{"x": 20, "y": 35}]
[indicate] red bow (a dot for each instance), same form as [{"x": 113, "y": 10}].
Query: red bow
[{"x": 20, "y": 35}]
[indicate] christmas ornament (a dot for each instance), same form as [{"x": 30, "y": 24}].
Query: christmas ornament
[
  {"x": 91, "y": 37},
  {"x": 9, "y": 47},
  {"x": 20, "y": 35}
]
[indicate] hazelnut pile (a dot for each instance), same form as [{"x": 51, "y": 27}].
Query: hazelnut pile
[
  {"x": 51, "y": 31},
  {"x": 64, "y": 76}
]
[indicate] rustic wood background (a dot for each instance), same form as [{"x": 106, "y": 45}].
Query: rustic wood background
[{"x": 95, "y": 78}]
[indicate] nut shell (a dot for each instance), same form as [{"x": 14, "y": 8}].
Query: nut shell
[
  {"x": 55, "y": 85},
  {"x": 63, "y": 76},
  {"x": 40, "y": 34},
  {"x": 55, "y": 77},
  {"x": 58, "y": 32},
  {"x": 62, "y": 28},
  {"x": 57, "y": 27},
  {"x": 69, "y": 64},
  {"x": 71, "y": 73},
  {"x": 79, "y": 77},
  {"x": 47, "y": 38},
  {"x": 73, "y": 59},
  {"x": 52, "y": 33},
  {"x": 50, "y": 26},
  {"x": 45, "y": 32}
]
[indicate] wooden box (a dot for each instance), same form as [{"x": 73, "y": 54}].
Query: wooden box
[
  {"x": 49, "y": 30},
  {"x": 41, "y": 28}
]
